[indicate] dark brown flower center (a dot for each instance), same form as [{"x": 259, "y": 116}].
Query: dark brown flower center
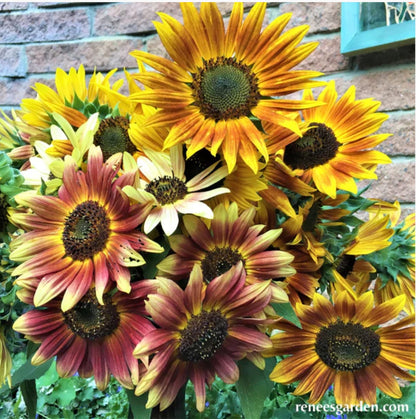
[
  {"x": 225, "y": 89},
  {"x": 218, "y": 261},
  {"x": 167, "y": 189},
  {"x": 345, "y": 265},
  {"x": 347, "y": 346},
  {"x": 91, "y": 320},
  {"x": 113, "y": 137},
  {"x": 86, "y": 231},
  {"x": 316, "y": 147},
  {"x": 198, "y": 162},
  {"x": 203, "y": 336}
]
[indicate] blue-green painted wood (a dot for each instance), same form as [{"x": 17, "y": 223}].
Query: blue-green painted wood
[{"x": 355, "y": 42}]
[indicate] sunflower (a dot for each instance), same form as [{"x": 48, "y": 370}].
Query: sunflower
[
  {"x": 73, "y": 99},
  {"x": 169, "y": 193},
  {"x": 341, "y": 344},
  {"x": 349, "y": 248},
  {"x": 203, "y": 330},
  {"x": 12, "y": 140},
  {"x": 86, "y": 233},
  {"x": 389, "y": 251},
  {"x": 334, "y": 146},
  {"x": 302, "y": 285},
  {"x": 244, "y": 185},
  {"x": 221, "y": 80},
  {"x": 231, "y": 239},
  {"x": 91, "y": 338},
  {"x": 5, "y": 361}
]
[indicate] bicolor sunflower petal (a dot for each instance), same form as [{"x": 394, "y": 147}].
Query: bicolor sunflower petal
[
  {"x": 83, "y": 237},
  {"x": 204, "y": 336},
  {"x": 231, "y": 239},
  {"x": 339, "y": 344},
  {"x": 92, "y": 338},
  {"x": 220, "y": 79},
  {"x": 332, "y": 150}
]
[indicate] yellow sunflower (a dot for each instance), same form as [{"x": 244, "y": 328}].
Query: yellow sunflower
[
  {"x": 74, "y": 101},
  {"x": 342, "y": 344},
  {"x": 5, "y": 361},
  {"x": 334, "y": 147},
  {"x": 383, "y": 250},
  {"x": 72, "y": 93},
  {"x": 221, "y": 82}
]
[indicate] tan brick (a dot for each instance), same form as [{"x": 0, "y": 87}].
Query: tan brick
[
  {"x": 12, "y": 61},
  {"x": 395, "y": 88},
  {"x": 395, "y": 181},
  {"x": 137, "y": 17},
  {"x": 407, "y": 210},
  {"x": 326, "y": 57},
  {"x": 44, "y": 26},
  {"x": 321, "y": 17},
  {"x": 13, "y": 90},
  {"x": 128, "y": 18},
  {"x": 103, "y": 54},
  {"x": 402, "y": 142}
]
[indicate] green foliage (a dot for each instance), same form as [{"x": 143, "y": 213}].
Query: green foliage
[
  {"x": 72, "y": 397},
  {"x": 253, "y": 387},
  {"x": 287, "y": 312},
  {"x": 138, "y": 405},
  {"x": 396, "y": 259},
  {"x": 89, "y": 108}
]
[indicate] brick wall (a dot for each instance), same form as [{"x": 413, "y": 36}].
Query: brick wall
[{"x": 36, "y": 38}]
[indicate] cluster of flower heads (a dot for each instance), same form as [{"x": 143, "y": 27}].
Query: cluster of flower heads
[{"x": 155, "y": 234}]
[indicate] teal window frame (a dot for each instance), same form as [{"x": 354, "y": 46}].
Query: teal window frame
[{"x": 354, "y": 41}]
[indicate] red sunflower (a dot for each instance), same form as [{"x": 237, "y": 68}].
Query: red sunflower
[
  {"x": 85, "y": 236},
  {"x": 91, "y": 338},
  {"x": 203, "y": 330}
]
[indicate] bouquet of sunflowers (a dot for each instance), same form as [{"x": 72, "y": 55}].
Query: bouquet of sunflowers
[{"x": 205, "y": 227}]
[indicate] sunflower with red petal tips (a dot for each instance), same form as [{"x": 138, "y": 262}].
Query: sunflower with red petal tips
[
  {"x": 334, "y": 148},
  {"x": 341, "y": 344},
  {"x": 86, "y": 236},
  {"x": 91, "y": 338},
  {"x": 203, "y": 330},
  {"x": 220, "y": 80},
  {"x": 231, "y": 239}
]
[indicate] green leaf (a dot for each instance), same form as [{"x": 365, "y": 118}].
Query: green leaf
[
  {"x": 253, "y": 387},
  {"x": 286, "y": 311},
  {"x": 64, "y": 392},
  {"x": 138, "y": 405},
  {"x": 50, "y": 377},
  {"x": 152, "y": 259},
  {"x": 28, "y": 389},
  {"x": 30, "y": 372}
]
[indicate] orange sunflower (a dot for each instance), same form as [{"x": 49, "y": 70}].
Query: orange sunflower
[
  {"x": 221, "y": 82},
  {"x": 342, "y": 344},
  {"x": 85, "y": 236},
  {"x": 334, "y": 147}
]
